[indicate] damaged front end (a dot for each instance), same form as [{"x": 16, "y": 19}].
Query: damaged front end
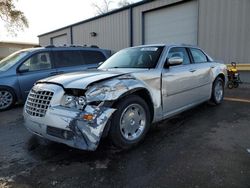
[
  {"x": 75, "y": 117},
  {"x": 89, "y": 125},
  {"x": 56, "y": 114}
]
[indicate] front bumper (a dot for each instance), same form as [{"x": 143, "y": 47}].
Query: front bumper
[{"x": 67, "y": 126}]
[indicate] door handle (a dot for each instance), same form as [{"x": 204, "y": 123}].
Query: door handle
[
  {"x": 212, "y": 67},
  {"x": 91, "y": 68},
  {"x": 192, "y": 70},
  {"x": 60, "y": 72},
  {"x": 53, "y": 73}
]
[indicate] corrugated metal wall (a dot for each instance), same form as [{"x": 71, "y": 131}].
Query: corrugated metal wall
[
  {"x": 224, "y": 27},
  {"x": 112, "y": 31}
]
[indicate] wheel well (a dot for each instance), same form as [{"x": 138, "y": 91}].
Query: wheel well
[
  {"x": 222, "y": 76},
  {"x": 144, "y": 94}
]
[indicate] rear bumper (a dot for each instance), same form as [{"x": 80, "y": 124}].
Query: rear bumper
[{"x": 67, "y": 126}]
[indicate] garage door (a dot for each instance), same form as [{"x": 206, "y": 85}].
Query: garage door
[
  {"x": 60, "y": 40},
  {"x": 175, "y": 24}
]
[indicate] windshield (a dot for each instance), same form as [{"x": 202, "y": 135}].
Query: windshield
[
  {"x": 140, "y": 57},
  {"x": 11, "y": 60}
]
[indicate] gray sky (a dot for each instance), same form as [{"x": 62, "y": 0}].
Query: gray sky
[{"x": 47, "y": 15}]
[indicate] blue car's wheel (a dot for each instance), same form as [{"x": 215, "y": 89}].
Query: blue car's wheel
[{"x": 7, "y": 99}]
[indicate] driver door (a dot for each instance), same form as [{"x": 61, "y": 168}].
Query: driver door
[
  {"x": 178, "y": 83},
  {"x": 36, "y": 67}
]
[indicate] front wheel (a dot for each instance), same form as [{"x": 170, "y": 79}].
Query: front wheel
[
  {"x": 7, "y": 99},
  {"x": 217, "y": 91},
  {"x": 130, "y": 122}
]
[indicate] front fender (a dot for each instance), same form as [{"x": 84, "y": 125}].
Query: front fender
[{"x": 115, "y": 88}]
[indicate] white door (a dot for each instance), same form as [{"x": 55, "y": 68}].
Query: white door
[
  {"x": 174, "y": 24},
  {"x": 60, "y": 40}
]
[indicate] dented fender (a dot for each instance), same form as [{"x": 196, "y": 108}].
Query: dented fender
[{"x": 112, "y": 89}]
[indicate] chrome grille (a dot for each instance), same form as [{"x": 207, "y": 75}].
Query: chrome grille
[{"x": 38, "y": 102}]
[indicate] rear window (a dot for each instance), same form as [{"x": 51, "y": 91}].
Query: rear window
[
  {"x": 77, "y": 57},
  {"x": 93, "y": 57},
  {"x": 68, "y": 58},
  {"x": 198, "y": 55}
]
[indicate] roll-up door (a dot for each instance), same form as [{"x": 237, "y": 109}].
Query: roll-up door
[
  {"x": 60, "y": 40},
  {"x": 173, "y": 24}
]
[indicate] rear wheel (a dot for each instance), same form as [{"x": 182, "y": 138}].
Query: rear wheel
[
  {"x": 236, "y": 84},
  {"x": 130, "y": 122},
  {"x": 7, "y": 99},
  {"x": 217, "y": 91},
  {"x": 230, "y": 85}
]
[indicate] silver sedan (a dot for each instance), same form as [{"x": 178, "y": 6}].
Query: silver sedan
[{"x": 131, "y": 90}]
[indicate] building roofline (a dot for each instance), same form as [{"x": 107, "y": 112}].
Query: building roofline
[
  {"x": 99, "y": 16},
  {"x": 18, "y": 43}
]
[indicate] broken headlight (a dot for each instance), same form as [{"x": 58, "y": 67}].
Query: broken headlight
[
  {"x": 74, "y": 102},
  {"x": 98, "y": 93}
]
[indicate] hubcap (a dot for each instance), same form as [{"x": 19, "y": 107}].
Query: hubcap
[
  {"x": 6, "y": 99},
  {"x": 132, "y": 122},
  {"x": 218, "y": 91}
]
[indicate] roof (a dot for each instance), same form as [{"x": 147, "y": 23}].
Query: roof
[
  {"x": 18, "y": 43},
  {"x": 100, "y": 16}
]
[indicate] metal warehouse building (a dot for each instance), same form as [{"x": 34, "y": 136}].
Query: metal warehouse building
[{"x": 220, "y": 27}]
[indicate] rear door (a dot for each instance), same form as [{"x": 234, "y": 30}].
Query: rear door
[
  {"x": 76, "y": 60},
  {"x": 203, "y": 73},
  {"x": 36, "y": 67}
]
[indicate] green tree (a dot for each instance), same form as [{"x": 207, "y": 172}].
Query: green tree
[{"x": 13, "y": 19}]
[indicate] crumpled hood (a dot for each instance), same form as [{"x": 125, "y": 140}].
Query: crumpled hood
[{"x": 80, "y": 79}]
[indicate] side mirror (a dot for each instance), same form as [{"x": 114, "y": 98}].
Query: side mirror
[
  {"x": 175, "y": 61},
  {"x": 22, "y": 70}
]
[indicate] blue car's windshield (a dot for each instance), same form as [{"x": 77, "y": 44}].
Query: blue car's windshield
[
  {"x": 11, "y": 60},
  {"x": 139, "y": 57}
]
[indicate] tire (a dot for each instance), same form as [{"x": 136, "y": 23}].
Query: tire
[
  {"x": 230, "y": 85},
  {"x": 7, "y": 98},
  {"x": 132, "y": 116},
  {"x": 217, "y": 91},
  {"x": 236, "y": 84}
]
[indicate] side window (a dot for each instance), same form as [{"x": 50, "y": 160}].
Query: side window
[
  {"x": 68, "y": 58},
  {"x": 198, "y": 55},
  {"x": 179, "y": 52},
  {"x": 39, "y": 61},
  {"x": 92, "y": 57}
]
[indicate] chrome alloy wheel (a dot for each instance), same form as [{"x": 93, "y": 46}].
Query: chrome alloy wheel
[
  {"x": 218, "y": 91},
  {"x": 6, "y": 99},
  {"x": 133, "y": 122}
]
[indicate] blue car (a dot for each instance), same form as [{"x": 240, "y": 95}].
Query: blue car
[{"x": 20, "y": 70}]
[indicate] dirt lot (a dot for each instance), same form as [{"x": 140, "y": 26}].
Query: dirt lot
[{"x": 207, "y": 146}]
